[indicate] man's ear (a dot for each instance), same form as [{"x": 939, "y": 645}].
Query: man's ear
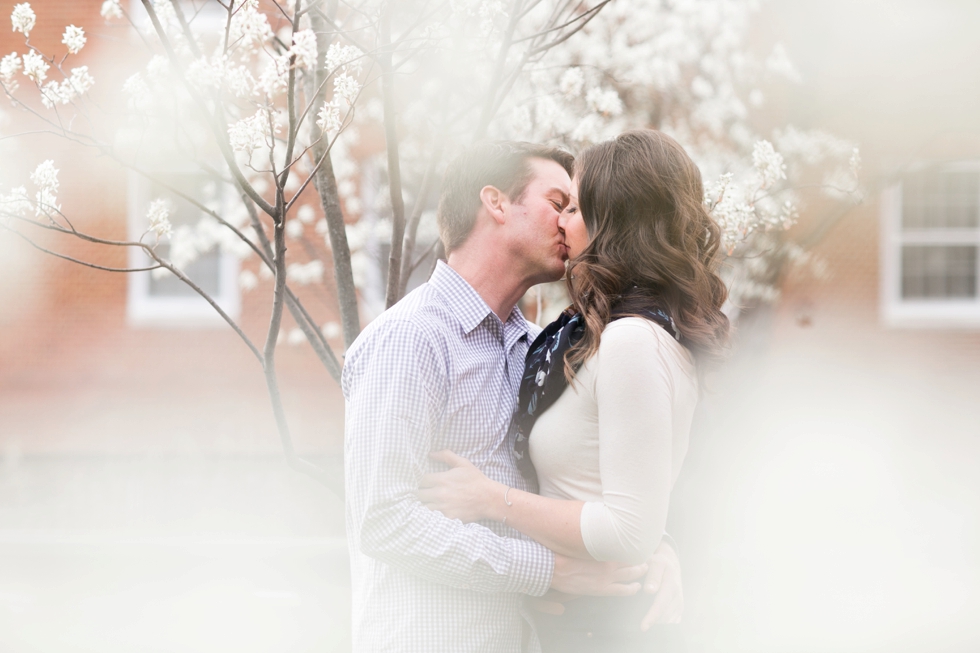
[{"x": 494, "y": 202}]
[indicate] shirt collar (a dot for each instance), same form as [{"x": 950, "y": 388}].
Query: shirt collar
[{"x": 469, "y": 307}]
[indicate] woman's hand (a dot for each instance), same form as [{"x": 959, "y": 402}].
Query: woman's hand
[{"x": 463, "y": 492}]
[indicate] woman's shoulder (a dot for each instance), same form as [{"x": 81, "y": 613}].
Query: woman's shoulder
[{"x": 643, "y": 336}]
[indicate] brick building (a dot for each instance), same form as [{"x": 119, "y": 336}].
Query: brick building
[
  {"x": 88, "y": 364},
  {"x": 95, "y": 362}
]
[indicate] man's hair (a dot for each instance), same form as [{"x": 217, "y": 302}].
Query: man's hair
[{"x": 501, "y": 164}]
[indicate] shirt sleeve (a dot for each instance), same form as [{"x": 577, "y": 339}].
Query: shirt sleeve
[
  {"x": 396, "y": 389},
  {"x": 633, "y": 391}
]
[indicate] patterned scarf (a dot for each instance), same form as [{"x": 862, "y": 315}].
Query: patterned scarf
[{"x": 544, "y": 374}]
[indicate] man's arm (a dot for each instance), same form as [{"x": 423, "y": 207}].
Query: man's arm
[{"x": 396, "y": 387}]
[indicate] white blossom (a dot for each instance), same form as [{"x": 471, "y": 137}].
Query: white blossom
[
  {"x": 249, "y": 28},
  {"x": 295, "y": 337},
  {"x": 343, "y": 57},
  {"x": 22, "y": 18},
  {"x": 45, "y": 177},
  {"x": 304, "y": 48},
  {"x": 346, "y": 87},
  {"x": 328, "y": 118},
  {"x": 158, "y": 218},
  {"x": 80, "y": 80},
  {"x": 294, "y": 229},
  {"x": 74, "y": 38},
  {"x": 249, "y": 134},
  {"x": 768, "y": 163},
  {"x": 247, "y": 280},
  {"x": 16, "y": 203},
  {"x": 306, "y": 214},
  {"x": 9, "y": 66},
  {"x": 138, "y": 91},
  {"x": 275, "y": 76},
  {"x": 606, "y": 101},
  {"x": 305, "y": 273},
  {"x": 35, "y": 67},
  {"x": 111, "y": 9},
  {"x": 572, "y": 82},
  {"x": 331, "y": 330}
]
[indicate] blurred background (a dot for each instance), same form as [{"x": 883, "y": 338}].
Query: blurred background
[{"x": 828, "y": 503}]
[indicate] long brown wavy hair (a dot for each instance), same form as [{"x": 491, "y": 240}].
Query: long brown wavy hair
[{"x": 652, "y": 245}]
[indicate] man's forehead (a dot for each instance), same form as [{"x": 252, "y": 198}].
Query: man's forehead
[{"x": 549, "y": 175}]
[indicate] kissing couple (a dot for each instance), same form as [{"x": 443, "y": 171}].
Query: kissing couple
[{"x": 508, "y": 486}]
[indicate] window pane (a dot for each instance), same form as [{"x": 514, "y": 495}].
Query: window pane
[
  {"x": 205, "y": 270},
  {"x": 938, "y": 271},
  {"x": 936, "y": 199}
]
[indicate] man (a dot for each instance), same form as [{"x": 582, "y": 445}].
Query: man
[{"x": 440, "y": 370}]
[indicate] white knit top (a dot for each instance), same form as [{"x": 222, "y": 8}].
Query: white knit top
[{"x": 617, "y": 436}]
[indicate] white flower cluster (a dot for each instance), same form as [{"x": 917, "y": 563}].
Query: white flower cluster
[
  {"x": 74, "y": 38},
  {"x": 247, "y": 280},
  {"x": 35, "y": 67},
  {"x": 16, "y": 203},
  {"x": 9, "y": 67},
  {"x": 111, "y": 9},
  {"x": 768, "y": 163},
  {"x": 77, "y": 84},
  {"x": 217, "y": 72},
  {"x": 249, "y": 28},
  {"x": 252, "y": 133},
  {"x": 305, "y": 273},
  {"x": 304, "y": 48},
  {"x": 343, "y": 58},
  {"x": 45, "y": 177},
  {"x": 158, "y": 218},
  {"x": 22, "y": 18}
]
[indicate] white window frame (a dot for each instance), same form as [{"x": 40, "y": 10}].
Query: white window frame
[
  {"x": 939, "y": 313},
  {"x": 145, "y": 310}
]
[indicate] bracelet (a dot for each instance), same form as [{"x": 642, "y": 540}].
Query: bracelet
[{"x": 509, "y": 503}]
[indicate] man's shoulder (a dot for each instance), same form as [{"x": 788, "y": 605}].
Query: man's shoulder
[{"x": 420, "y": 321}]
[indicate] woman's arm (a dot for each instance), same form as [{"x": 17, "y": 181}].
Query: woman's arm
[
  {"x": 634, "y": 391},
  {"x": 465, "y": 493}
]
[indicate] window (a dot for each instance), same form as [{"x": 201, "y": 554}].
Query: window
[
  {"x": 931, "y": 247},
  {"x": 155, "y": 300}
]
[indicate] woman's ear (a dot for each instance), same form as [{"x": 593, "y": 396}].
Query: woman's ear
[{"x": 495, "y": 202}]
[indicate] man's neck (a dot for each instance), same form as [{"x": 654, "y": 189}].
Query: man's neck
[{"x": 494, "y": 280}]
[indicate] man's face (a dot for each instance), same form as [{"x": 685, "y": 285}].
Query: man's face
[{"x": 533, "y": 223}]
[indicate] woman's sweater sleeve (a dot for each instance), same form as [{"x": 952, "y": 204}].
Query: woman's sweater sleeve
[{"x": 633, "y": 391}]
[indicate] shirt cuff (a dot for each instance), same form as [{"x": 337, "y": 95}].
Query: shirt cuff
[{"x": 532, "y": 569}]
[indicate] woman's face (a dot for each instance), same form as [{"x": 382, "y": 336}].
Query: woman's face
[{"x": 572, "y": 224}]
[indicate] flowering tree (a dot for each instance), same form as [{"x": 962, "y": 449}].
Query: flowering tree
[{"x": 279, "y": 103}]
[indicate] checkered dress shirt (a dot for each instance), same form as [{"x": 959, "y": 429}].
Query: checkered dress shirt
[{"x": 439, "y": 370}]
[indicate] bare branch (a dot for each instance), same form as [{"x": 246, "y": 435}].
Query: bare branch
[
  {"x": 394, "y": 165},
  {"x": 326, "y": 185},
  {"x": 411, "y": 229}
]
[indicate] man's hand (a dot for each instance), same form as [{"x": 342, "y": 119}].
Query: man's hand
[
  {"x": 664, "y": 580},
  {"x": 574, "y": 576}
]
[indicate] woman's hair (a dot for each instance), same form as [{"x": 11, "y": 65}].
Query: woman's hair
[{"x": 652, "y": 244}]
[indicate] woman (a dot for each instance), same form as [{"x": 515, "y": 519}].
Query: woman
[{"x": 610, "y": 388}]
